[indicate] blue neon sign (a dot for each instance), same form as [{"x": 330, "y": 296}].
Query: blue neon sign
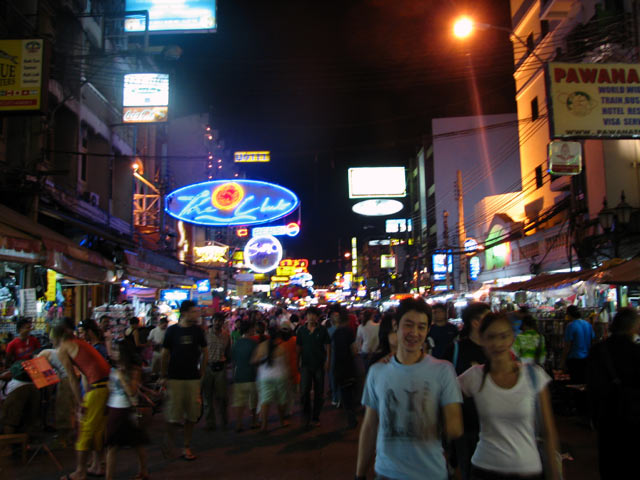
[{"x": 230, "y": 202}]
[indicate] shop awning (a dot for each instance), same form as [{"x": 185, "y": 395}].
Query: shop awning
[
  {"x": 626, "y": 273},
  {"x": 18, "y": 247},
  {"x": 544, "y": 281},
  {"x": 63, "y": 255}
]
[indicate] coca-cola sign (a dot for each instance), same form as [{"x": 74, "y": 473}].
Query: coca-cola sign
[{"x": 144, "y": 114}]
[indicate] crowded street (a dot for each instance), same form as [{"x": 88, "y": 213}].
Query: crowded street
[{"x": 380, "y": 240}]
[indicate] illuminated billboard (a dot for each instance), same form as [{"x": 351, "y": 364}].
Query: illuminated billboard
[
  {"x": 263, "y": 254},
  {"x": 252, "y": 157},
  {"x": 388, "y": 261},
  {"x": 230, "y": 202},
  {"x": 291, "y": 229},
  {"x": 145, "y": 98},
  {"x": 196, "y": 16},
  {"x": 398, "y": 225},
  {"x": 21, "y": 65},
  {"x": 594, "y": 100},
  {"x": 565, "y": 158},
  {"x": 210, "y": 254},
  {"x": 372, "y": 182},
  {"x": 377, "y": 208}
]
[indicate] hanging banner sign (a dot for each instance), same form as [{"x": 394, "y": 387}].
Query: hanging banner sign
[
  {"x": 565, "y": 158},
  {"x": 21, "y": 74},
  {"x": 230, "y": 202},
  {"x": 50, "y": 293}
]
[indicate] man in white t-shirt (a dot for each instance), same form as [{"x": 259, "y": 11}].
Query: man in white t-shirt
[
  {"x": 156, "y": 337},
  {"x": 406, "y": 400}
]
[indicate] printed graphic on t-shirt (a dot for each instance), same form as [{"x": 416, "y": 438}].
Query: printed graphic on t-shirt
[
  {"x": 409, "y": 413},
  {"x": 186, "y": 340}
]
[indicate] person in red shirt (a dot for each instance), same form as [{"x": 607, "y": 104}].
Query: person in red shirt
[{"x": 24, "y": 346}]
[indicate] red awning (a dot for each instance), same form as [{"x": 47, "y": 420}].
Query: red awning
[{"x": 626, "y": 273}]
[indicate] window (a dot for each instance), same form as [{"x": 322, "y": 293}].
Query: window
[
  {"x": 82, "y": 168},
  {"x": 539, "y": 176},
  {"x": 530, "y": 45},
  {"x": 544, "y": 28},
  {"x": 535, "y": 112}
]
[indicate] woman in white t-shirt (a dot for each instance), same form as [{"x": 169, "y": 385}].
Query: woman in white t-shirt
[{"x": 506, "y": 394}]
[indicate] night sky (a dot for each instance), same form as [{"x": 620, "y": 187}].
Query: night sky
[{"x": 328, "y": 85}]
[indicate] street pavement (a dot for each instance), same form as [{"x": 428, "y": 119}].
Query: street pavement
[{"x": 325, "y": 452}]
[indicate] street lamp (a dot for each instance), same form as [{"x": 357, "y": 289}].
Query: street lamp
[
  {"x": 606, "y": 216},
  {"x": 623, "y": 210},
  {"x": 463, "y": 27}
]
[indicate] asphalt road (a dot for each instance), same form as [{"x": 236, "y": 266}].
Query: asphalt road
[{"x": 325, "y": 452}]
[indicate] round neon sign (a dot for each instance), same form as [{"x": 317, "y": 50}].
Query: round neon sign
[
  {"x": 263, "y": 254},
  {"x": 230, "y": 202},
  {"x": 377, "y": 207}
]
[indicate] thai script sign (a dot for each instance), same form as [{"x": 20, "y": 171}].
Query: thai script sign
[{"x": 230, "y": 202}]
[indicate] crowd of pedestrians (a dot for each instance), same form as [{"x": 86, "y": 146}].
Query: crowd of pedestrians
[{"x": 429, "y": 398}]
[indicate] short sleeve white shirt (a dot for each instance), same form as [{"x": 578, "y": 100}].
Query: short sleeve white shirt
[
  {"x": 156, "y": 335},
  {"x": 507, "y": 421}
]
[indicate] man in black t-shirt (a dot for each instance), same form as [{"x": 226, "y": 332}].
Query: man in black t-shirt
[
  {"x": 184, "y": 358},
  {"x": 343, "y": 365},
  {"x": 442, "y": 332}
]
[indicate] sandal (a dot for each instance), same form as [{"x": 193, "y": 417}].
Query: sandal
[{"x": 188, "y": 456}]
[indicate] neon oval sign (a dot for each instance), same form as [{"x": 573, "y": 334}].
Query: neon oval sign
[
  {"x": 263, "y": 254},
  {"x": 230, "y": 202}
]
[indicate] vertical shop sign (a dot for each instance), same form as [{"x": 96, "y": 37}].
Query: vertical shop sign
[
  {"x": 50, "y": 293},
  {"x": 28, "y": 302}
]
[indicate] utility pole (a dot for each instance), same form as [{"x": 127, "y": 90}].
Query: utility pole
[{"x": 461, "y": 233}]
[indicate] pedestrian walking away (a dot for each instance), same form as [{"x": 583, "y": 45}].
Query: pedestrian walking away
[{"x": 184, "y": 359}]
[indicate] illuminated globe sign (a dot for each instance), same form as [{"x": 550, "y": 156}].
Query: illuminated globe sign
[
  {"x": 263, "y": 254},
  {"x": 230, "y": 202},
  {"x": 377, "y": 207}
]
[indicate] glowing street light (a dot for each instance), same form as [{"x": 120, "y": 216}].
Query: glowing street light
[{"x": 463, "y": 27}]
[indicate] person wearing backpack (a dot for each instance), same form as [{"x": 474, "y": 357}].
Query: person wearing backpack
[
  {"x": 529, "y": 346},
  {"x": 613, "y": 383}
]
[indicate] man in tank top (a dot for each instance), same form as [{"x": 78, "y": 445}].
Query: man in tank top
[{"x": 94, "y": 369}]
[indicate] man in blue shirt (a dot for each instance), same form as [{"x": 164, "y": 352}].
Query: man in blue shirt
[
  {"x": 578, "y": 336},
  {"x": 403, "y": 400}
]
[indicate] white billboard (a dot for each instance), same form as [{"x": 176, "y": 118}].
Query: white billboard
[
  {"x": 374, "y": 182},
  {"x": 145, "y": 97},
  {"x": 185, "y": 16},
  {"x": 377, "y": 207},
  {"x": 398, "y": 225}
]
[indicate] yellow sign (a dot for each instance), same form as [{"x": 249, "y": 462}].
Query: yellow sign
[
  {"x": 595, "y": 100},
  {"x": 252, "y": 157},
  {"x": 279, "y": 279},
  {"x": 244, "y": 289},
  {"x": 211, "y": 254},
  {"x": 21, "y": 64},
  {"x": 50, "y": 293}
]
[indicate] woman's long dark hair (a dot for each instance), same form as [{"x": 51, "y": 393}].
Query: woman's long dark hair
[
  {"x": 488, "y": 320},
  {"x": 386, "y": 327},
  {"x": 274, "y": 335}
]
